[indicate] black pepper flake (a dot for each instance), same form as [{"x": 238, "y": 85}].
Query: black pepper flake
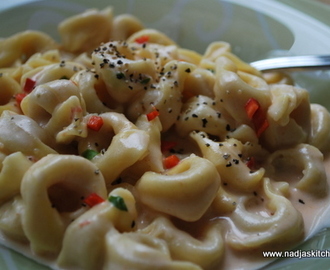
[
  {"x": 96, "y": 76},
  {"x": 219, "y": 114},
  {"x": 228, "y": 127},
  {"x": 188, "y": 70},
  {"x": 204, "y": 120},
  {"x": 207, "y": 145},
  {"x": 133, "y": 224},
  {"x": 255, "y": 193},
  {"x": 236, "y": 161},
  {"x": 228, "y": 164},
  {"x": 62, "y": 64},
  {"x": 301, "y": 201},
  {"x": 194, "y": 115}
]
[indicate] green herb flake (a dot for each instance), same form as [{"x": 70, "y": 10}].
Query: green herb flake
[
  {"x": 120, "y": 76},
  {"x": 118, "y": 202},
  {"x": 89, "y": 154},
  {"x": 145, "y": 81}
]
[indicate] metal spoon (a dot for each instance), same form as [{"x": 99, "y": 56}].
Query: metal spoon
[{"x": 293, "y": 63}]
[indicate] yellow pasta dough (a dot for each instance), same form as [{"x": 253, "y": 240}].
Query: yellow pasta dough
[{"x": 121, "y": 150}]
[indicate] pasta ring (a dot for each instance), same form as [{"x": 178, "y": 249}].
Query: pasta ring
[
  {"x": 185, "y": 191},
  {"x": 45, "y": 185},
  {"x": 129, "y": 145}
]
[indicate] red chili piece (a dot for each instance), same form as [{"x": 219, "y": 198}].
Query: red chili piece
[
  {"x": 19, "y": 97},
  {"x": 142, "y": 39},
  {"x": 152, "y": 115},
  {"x": 93, "y": 199},
  {"x": 95, "y": 122},
  {"x": 257, "y": 115},
  {"x": 171, "y": 161},
  {"x": 29, "y": 85},
  {"x": 167, "y": 145}
]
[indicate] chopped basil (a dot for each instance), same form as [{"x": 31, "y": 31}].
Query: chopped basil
[
  {"x": 89, "y": 154},
  {"x": 145, "y": 81},
  {"x": 118, "y": 202},
  {"x": 120, "y": 76}
]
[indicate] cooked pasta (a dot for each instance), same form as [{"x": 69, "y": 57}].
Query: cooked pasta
[{"x": 121, "y": 150}]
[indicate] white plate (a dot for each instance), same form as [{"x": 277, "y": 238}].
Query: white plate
[{"x": 255, "y": 28}]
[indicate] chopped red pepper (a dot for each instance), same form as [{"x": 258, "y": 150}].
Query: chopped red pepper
[
  {"x": 251, "y": 106},
  {"x": 19, "y": 97},
  {"x": 29, "y": 85},
  {"x": 167, "y": 145},
  {"x": 95, "y": 122},
  {"x": 171, "y": 161},
  {"x": 93, "y": 199},
  {"x": 257, "y": 115},
  {"x": 142, "y": 39},
  {"x": 153, "y": 114},
  {"x": 251, "y": 163},
  {"x": 262, "y": 127}
]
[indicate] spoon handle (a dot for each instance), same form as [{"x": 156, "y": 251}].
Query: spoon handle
[{"x": 293, "y": 63}]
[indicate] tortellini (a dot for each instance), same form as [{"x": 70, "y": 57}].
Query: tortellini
[
  {"x": 185, "y": 191},
  {"x": 51, "y": 191},
  {"x": 121, "y": 150},
  {"x": 281, "y": 225}
]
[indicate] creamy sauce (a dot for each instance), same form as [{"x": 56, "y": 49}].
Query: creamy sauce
[
  {"x": 316, "y": 215},
  {"x": 315, "y": 212}
]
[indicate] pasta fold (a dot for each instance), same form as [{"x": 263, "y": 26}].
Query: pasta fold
[{"x": 185, "y": 191}]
